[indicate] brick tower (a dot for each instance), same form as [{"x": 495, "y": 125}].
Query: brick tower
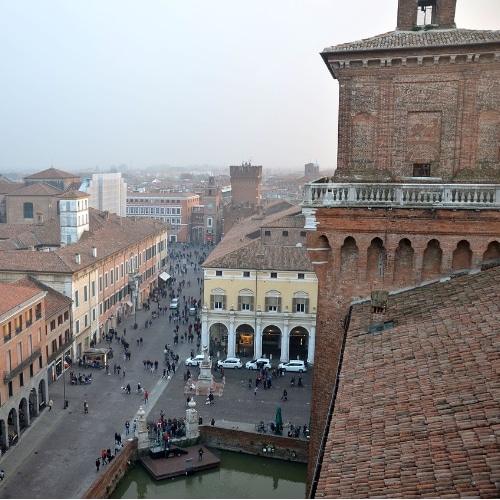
[
  {"x": 246, "y": 180},
  {"x": 416, "y": 193}
]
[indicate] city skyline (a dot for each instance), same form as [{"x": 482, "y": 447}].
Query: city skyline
[{"x": 94, "y": 84}]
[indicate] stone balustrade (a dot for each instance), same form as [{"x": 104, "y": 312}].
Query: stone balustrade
[{"x": 392, "y": 195}]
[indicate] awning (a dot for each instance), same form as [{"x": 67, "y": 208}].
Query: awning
[
  {"x": 164, "y": 276},
  {"x": 129, "y": 303}
]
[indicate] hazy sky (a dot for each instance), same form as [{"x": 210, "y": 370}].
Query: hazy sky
[{"x": 95, "y": 83}]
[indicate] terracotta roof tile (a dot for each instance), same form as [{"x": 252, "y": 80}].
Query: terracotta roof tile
[
  {"x": 417, "y": 411},
  {"x": 419, "y": 39},
  {"x": 51, "y": 173},
  {"x": 14, "y": 294},
  {"x": 54, "y": 301},
  {"x": 36, "y": 189}
]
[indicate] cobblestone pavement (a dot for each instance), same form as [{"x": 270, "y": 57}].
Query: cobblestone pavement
[{"x": 55, "y": 456}]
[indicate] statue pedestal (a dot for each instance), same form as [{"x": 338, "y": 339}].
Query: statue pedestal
[
  {"x": 205, "y": 378},
  {"x": 142, "y": 430},
  {"x": 192, "y": 430}
]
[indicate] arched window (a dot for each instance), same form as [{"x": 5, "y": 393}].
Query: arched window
[{"x": 28, "y": 210}]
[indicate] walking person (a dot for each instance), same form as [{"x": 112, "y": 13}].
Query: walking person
[
  {"x": 284, "y": 397},
  {"x": 200, "y": 454},
  {"x": 146, "y": 396},
  {"x": 85, "y": 407},
  {"x": 50, "y": 404},
  {"x": 98, "y": 463},
  {"x": 127, "y": 428}
]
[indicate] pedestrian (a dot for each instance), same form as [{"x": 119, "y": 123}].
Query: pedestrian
[
  {"x": 212, "y": 422},
  {"x": 127, "y": 428},
  {"x": 123, "y": 372},
  {"x": 118, "y": 368},
  {"x": 164, "y": 373},
  {"x": 128, "y": 388},
  {"x": 139, "y": 388},
  {"x": 97, "y": 463},
  {"x": 255, "y": 391},
  {"x": 284, "y": 397},
  {"x": 146, "y": 396},
  {"x": 200, "y": 454},
  {"x": 85, "y": 407},
  {"x": 107, "y": 369},
  {"x": 103, "y": 457},
  {"x": 50, "y": 404}
]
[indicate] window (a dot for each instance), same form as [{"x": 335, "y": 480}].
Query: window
[
  {"x": 77, "y": 326},
  {"x": 245, "y": 300},
  {"x": 100, "y": 283},
  {"x": 273, "y": 302},
  {"x": 52, "y": 325},
  {"x": 300, "y": 303},
  {"x": 93, "y": 314},
  {"x": 218, "y": 273},
  {"x": 303, "y": 234},
  {"x": 218, "y": 301},
  {"x": 77, "y": 299},
  {"x": 300, "y": 276},
  {"x": 421, "y": 170},
  {"x": 92, "y": 287},
  {"x": 274, "y": 275},
  {"x": 285, "y": 233},
  {"x": 112, "y": 276},
  {"x": 28, "y": 210},
  {"x": 267, "y": 233},
  {"x": 66, "y": 315},
  {"x": 86, "y": 320},
  {"x": 105, "y": 280},
  {"x": 246, "y": 274},
  {"x": 85, "y": 293}
]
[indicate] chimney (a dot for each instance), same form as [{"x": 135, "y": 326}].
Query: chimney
[
  {"x": 94, "y": 252},
  {"x": 77, "y": 258}
]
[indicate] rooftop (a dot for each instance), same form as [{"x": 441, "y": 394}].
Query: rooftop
[{"x": 417, "y": 411}]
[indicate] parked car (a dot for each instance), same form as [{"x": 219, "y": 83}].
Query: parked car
[
  {"x": 295, "y": 365},
  {"x": 174, "y": 304},
  {"x": 192, "y": 311},
  {"x": 258, "y": 364},
  {"x": 195, "y": 361},
  {"x": 230, "y": 363}
]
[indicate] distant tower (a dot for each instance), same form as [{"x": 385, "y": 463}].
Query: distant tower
[
  {"x": 74, "y": 216},
  {"x": 245, "y": 184}
]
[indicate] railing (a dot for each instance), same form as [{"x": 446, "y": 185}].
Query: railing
[
  {"x": 454, "y": 196},
  {"x": 9, "y": 375}
]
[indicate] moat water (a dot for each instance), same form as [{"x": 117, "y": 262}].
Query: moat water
[{"x": 239, "y": 476}]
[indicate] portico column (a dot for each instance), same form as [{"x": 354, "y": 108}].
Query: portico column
[
  {"x": 204, "y": 326},
  {"x": 285, "y": 338},
  {"x": 311, "y": 345},
  {"x": 231, "y": 337},
  {"x": 258, "y": 335}
]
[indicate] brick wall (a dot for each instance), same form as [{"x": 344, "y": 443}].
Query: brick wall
[
  {"x": 110, "y": 475},
  {"x": 437, "y": 243},
  {"x": 295, "y": 450}
]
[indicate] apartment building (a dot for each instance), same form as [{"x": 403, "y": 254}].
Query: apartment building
[{"x": 260, "y": 293}]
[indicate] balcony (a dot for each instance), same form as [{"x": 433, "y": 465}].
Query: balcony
[
  {"x": 19, "y": 329},
  {"x": 387, "y": 195},
  {"x": 9, "y": 375}
]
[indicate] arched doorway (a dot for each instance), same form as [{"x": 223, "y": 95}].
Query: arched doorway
[
  {"x": 218, "y": 340},
  {"x": 299, "y": 343},
  {"x": 271, "y": 342},
  {"x": 245, "y": 341}
]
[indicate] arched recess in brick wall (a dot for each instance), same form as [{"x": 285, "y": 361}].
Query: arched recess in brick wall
[
  {"x": 492, "y": 254},
  {"x": 375, "y": 260},
  {"x": 403, "y": 262},
  {"x": 323, "y": 242},
  {"x": 349, "y": 254},
  {"x": 432, "y": 261},
  {"x": 462, "y": 256}
]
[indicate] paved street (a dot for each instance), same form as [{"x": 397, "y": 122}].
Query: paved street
[{"x": 55, "y": 457}]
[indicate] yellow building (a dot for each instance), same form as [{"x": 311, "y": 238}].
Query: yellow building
[{"x": 260, "y": 289}]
